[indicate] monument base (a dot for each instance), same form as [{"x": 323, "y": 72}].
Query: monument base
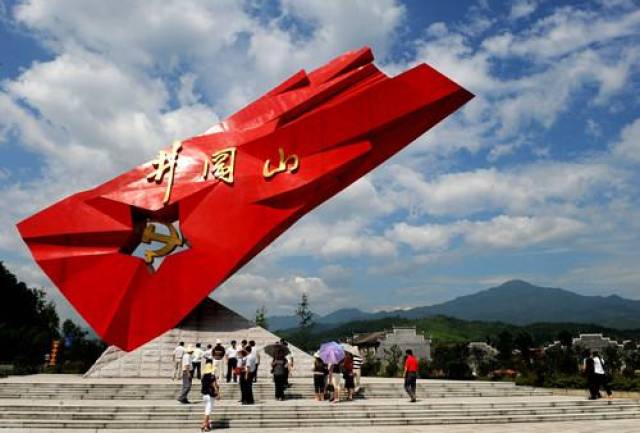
[{"x": 208, "y": 322}]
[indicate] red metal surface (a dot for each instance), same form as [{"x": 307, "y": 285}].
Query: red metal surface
[{"x": 341, "y": 120}]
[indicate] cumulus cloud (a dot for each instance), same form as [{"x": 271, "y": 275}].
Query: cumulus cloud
[
  {"x": 280, "y": 294},
  {"x": 564, "y": 56},
  {"x": 627, "y": 149},
  {"x": 516, "y": 190},
  {"x": 564, "y": 31},
  {"x": 500, "y": 232},
  {"x": 522, "y": 8}
]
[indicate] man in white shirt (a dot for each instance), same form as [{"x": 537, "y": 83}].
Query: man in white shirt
[
  {"x": 232, "y": 361},
  {"x": 289, "y": 358},
  {"x": 246, "y": 381},
  {"x": 186, "y": 376},
  {"x": 208, "y": 354},
  {"x": 177, "y": 360},
  {"x": 196, "y": 360},
  {"x": 256, "y": 353},
  {"x": 600, "y": 373}
]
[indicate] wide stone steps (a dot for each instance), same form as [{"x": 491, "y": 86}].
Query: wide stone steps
[
  {"x": 262, "y": 391},
  {"x": 312, "y": 406},
  {"x": 320, "y": 414}
]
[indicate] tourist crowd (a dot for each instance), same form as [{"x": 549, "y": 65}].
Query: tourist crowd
[{"x": 335, "y": 371}]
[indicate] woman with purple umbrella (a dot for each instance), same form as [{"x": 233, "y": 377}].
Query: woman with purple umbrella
[{"x": 332, "y": 354}]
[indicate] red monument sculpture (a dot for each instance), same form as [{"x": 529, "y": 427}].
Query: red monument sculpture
[{"x": 210, "y": 203}]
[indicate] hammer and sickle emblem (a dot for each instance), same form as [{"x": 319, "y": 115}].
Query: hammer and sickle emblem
[{"x": 170, "y": 241}]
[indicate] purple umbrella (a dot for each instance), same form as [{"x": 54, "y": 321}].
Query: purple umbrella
[{"x": 331, "y": 353}]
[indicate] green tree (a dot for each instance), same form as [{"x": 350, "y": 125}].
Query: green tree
[
  {"x": 612, "y": 359},
  {"x": 423, "y": 368},
  {"x": 524, "y": 342},
  {"x": 370, "y": 364},
  {"x": 261, "y": 317},
  {"x": 451, "y": 360},
  {"x": 505, "y": 348},
  {"x": 305, "y": 316},
  {"x": 565, "y": 338},
  {"x": 563, "y": 360},
  {"x": 28, "y": 324},
  {"x": 305, "y": 322},
  {"x": 78, "y": 352},
  {"x": 632, "y": 362},
  {"x": 392, "y": 358}
]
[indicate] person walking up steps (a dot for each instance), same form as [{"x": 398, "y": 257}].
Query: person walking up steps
[
  {"x": 600, "y": 368},
  {"x": 256, "y": 353},
  {"x": 279, "y": 368},
  {"x": 347, "y": 375},
  {"x": 357, "y": 371},
  {"x": 319, "y": 378},
  {"x": 410, "y": 375},
  {"x": 335, "y": 373},
  {"x": 232, "y": 361},
  {"x": 178, "y": 352},
  {"x": 242, "y": 371},
  {"x": 196, "y": 360},
  {"x": 209, "y": 391},
  {"x": 290, "y": 365},
  {"x": 592, "y": 380},
  {"x": 186, "y": 376},
  {"x": 250, "y": 366},
  {"x": 217, "y": 354}
]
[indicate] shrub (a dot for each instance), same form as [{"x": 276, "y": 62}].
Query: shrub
[
  {"x": 423, "y": 369},
  {"x": 371, "y": 365},
  {"x": 392, "y": 358}
]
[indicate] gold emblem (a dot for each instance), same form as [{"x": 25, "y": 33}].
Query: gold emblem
[
  {"x": 165, "y": 162},
  {"x": 220, "y": 165},
  {"x": 170, "y": 241},
  {"x": 290, "y": 164}
]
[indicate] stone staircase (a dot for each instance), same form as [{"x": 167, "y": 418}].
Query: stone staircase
[
  {"x": 263, "y": 390},
  {"x": 49, "y": 402},
  {"x": 310, "y": 414},
  {"x": 205, "y": 324}
]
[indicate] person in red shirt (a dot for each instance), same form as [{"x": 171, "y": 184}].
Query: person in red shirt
[{"x": 410, "y": 374}]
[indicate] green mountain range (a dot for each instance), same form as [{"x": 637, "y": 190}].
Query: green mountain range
[{"x": 514, "y": 302}]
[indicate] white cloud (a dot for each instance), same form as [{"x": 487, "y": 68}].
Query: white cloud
[
  {"x": 566, "y": 30},
  {"x": 339, "y": 228},
  {"x": 500, "y": 232},
  {"x": 522, "y": 8},
  {"x": 517, "y": 190},
  {"x": 627, "y": 149},
  {"x": 564, "y": 55},
  {"x": 425, "y": 237},
  {"x": 247, "y": 292},
  {"x": 517, "y": 232}
]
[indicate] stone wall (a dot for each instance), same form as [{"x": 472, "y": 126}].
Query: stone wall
[{"x": 405, "y": 338}]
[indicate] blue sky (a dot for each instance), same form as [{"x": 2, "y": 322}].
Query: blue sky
[{"x": 536, "y": 178}]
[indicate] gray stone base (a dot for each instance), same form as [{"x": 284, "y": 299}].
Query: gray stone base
[{"x": 205, "y": 324}]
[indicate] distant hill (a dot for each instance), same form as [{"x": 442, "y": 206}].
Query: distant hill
[
  {"x": 521, "y": 303},
  {"x": 339, "y": 316},
  {"x": 514, "y": 302},
  {"x": 442, "y": 329}
]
